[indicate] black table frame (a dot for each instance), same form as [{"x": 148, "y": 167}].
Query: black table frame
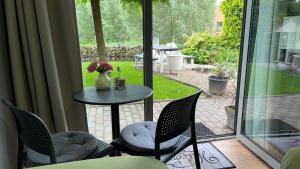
[
  {"x": 115, "y": 116},
  {"x": 115, "y": 120}
]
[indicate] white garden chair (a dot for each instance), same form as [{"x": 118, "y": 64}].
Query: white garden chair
[
  {"x": 175, "y": 63},
  {"x": 139, "y": 59},
  {"x": 185, "y": 57}
]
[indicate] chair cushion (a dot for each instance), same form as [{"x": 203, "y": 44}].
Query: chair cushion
[
  {"x": 69, "y": 146},
  {"x": 140, "y": 137}
]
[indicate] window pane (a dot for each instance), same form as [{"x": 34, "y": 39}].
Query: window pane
[
  {"x": 123, "y": 37},
  {"x": 272, "y": 96}
]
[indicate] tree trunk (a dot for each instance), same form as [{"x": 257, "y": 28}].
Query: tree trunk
[{"x": 96, "y": 10}]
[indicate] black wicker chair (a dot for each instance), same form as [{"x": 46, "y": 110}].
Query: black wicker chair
[
  {"x": 44, "y": 148},
  {"x": 165, "y": 138}
]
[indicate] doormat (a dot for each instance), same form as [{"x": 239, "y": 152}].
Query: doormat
[
  {"x": 210, "y": 158},
  {"x": 201, "y": 131}
]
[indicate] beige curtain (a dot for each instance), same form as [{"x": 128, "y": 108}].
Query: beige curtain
[
  {"x": 45, "y": 60},
  {"x": 8, "y": 131}
]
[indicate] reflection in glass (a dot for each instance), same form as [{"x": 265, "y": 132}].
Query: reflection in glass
[{"x": 271, "y": 115}]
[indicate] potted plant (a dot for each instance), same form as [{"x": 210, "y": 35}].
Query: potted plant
[
  {"x": 102, "y": 81},
  {"x": 218, "y": 81},
  {"x": 225, "y": 69},
  {"x": 230, "y": 110}
]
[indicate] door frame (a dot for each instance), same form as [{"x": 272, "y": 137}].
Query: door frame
[
  {"x": 147, "y": 63},
  {"x": 244, "y": 139}
]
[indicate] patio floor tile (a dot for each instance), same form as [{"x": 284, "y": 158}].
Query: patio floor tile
[{"x": 209, "y": 111}]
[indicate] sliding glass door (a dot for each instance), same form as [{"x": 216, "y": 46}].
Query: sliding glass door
[{"x": 270, "y": 107}]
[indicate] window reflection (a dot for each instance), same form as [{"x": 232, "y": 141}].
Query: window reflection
[{"x": 271, "y": 115}]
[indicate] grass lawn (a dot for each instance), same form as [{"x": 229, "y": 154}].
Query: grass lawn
[
  {"x": 164, "y": 88},
  {"x": 270, "y": 81}
]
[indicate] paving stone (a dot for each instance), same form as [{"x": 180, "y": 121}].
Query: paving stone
[{"x": 213, "y": 116}]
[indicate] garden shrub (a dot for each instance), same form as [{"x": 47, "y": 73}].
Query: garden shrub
[
  {"x": 232, "y": 25},
  {"x": 209, "y": 49},
  {"x": 203, "y": 46},
  {"x": 214, "y": 49},
  {"x": 227, "y": 55}
]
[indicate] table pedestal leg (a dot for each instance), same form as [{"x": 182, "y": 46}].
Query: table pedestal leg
[{"x": 115, "y": 120}]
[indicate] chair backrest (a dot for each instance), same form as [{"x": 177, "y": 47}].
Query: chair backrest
[
  {"x": 33, "y": 132},
  {"x": 155, "y": 54},
  {"x": 175, "y": 62},
  {"x": 176, "y": 118},
  {"x": 172, "y": 45}
]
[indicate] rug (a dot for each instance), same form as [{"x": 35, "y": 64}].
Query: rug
[
  {"x": 201, "y": 131},
  {"x": 210, "y": 158}
]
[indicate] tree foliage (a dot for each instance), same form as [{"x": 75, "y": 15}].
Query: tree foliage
[
  {"x": 180, "y": 19},
  {"x": 173, "y": 20},
  {"x": 114, "y": 27},
  {"x": 136, "y": 3},
  {"x": 215, "y": 48},
  {"x": 232, "y": 25},
  {"x": 85, "y": 22},
  {"x": 119, "y": 25}
]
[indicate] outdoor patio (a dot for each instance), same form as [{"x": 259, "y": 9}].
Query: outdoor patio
[{"x": 210, "y": 110}]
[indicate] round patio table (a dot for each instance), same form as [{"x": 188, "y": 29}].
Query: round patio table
[{"x": 113, "y": 97}]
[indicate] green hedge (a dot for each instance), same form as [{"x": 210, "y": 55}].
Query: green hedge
[{"x": 232, "y": 25}]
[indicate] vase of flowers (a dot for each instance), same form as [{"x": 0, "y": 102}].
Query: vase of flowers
[{"x": 102, "y": 81}]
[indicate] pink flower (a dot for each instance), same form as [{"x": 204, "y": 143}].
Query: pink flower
[
  {"x": 93, "y": 66},
  {"x": 100, "y": 67},
  {"x": 106, "y": 66}
]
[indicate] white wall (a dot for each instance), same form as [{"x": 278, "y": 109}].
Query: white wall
[{"x": 8, "y": 136}]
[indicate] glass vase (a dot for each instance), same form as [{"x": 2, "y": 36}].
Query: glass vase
[{"x": 103, "y": 82}]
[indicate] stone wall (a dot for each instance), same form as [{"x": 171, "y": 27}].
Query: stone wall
[{"x": 113, "y": 53}]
